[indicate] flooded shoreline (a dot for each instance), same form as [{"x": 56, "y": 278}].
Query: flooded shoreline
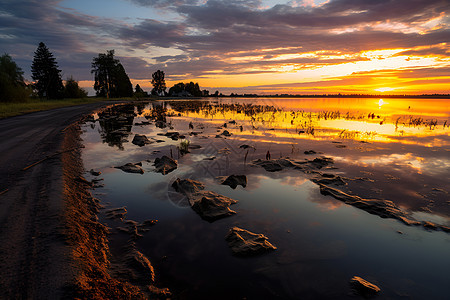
[{"x": 320, "y": 240}]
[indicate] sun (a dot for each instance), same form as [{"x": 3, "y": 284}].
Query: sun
[{"x": 384, "y": 89}]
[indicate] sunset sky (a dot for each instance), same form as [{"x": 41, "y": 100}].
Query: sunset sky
[{"x": 264, "y": 47}]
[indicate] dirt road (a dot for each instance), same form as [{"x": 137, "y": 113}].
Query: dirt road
[{"x": 34, "y": 260}]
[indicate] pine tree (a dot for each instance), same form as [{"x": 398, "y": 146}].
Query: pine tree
[
  {"x": 46, "y": 74},
  {"x": 124, "y": 88},
  {"x": 138, "y": 89}
]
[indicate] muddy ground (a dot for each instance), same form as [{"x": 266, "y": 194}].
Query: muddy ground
[{"x": 51, "y": 245}]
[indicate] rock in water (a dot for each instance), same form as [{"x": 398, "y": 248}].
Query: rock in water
[
  {"x": 234, "y": 180},
  {"x": 144, "y": 271},
  {"x": 116, "y": 213},
  {"x": 268, "y": 165},
  {"x": 165, "y": 164},
  {"x": 329, "y": 179},
  {"x": 187, "y": 186},
  {"x": 211, "y": 206},
  {"x": 95, "y": 173},
  {"x": 131, "y": 168},
  {"x": 285, "y": 162},
  {"x": 363, "y": 287},
  {"x": 141, "y": 140},
  {"x": 226, "y": 133},
  {"x": 173, "y": 135},
  {"x": 322, "y": 161},
  {"x": 245, "y": 243}
]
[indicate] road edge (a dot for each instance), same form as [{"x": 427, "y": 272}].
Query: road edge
[{"x": 86, "y": 236}]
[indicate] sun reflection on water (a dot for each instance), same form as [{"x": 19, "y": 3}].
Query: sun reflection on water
[{"x": 392, "y": 122}]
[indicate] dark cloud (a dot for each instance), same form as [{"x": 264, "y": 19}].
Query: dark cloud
[
  {"x": 333, "y": 14},
  {"x": 171, "y": 58},
  {"x": 151, "y": 32},
  {"x": 214, "y": 36},
  {"x": 226, "y": 27},
  {"x": 175, "y": 4},
  {"x": 164, "y": 3}
]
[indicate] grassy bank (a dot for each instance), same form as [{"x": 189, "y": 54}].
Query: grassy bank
[{"x": 15, "y": 109}]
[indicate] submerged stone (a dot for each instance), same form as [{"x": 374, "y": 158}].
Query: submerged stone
[
  {"x": 363, "y": 287},
  {"x": 234, "y": 180},
  {"x": 131, "y": 168},
  {"x": 308, "y": 152},
  {"x": 268, "y": 165},
  {"x": 116, "y": 213},
  {"x": 173, "y": 135},
  {"x": 187, "y": 186},
  {"x": 226, "y": 133},
  {"x": 245, "y": 243},
  {"x": 327, "y": 179},
  {"x": 95, "y": 173},
  {"x": 143, "y": 269},
  {"x": 379, "y": 207},
  {"x": 285, "y": 162},
  {"x": 141, "y": 140},
  {"x": 322, "y": 161},
  {"x": 165, "y": 164},
  {"x": 159, "y": 293},
  {"x": 136, "y": 229},
  {"x": 210, "y": 205}
]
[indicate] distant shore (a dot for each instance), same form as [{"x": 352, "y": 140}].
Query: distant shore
[{"x": 424, "y": 96}]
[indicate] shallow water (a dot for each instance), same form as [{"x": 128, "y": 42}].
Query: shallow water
[{"x": 400, "y": 154}]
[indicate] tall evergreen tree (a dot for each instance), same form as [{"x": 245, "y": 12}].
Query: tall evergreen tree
[
  {"x": 159, "y": 84},
  {"x": 124, "y": 88},
  {"x": 46, "y": 74},
  {"x": 138, "y": 89},
  {"x": 111, "y": 80}
]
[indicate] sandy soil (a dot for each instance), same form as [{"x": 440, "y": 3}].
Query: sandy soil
[{"x": 51, "y": 245}]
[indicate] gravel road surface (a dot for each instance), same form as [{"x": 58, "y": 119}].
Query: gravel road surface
[{"x": 34, "y": 260}]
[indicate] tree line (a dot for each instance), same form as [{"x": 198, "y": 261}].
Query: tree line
[{"x": 110, "y": 80}]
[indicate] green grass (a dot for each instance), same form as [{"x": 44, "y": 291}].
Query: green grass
[{"x": 20, "y": 108}]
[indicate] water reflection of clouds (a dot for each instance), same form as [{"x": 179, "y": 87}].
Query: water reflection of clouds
[
  {"x": 319, "y": 239},
  {"x": 295, "y": 181},
  {"x": 399, "y": 162},
  {"x": 324, "y": 203},
  {"x": 438, "y": 141}
]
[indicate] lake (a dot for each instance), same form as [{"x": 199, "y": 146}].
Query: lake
[{"x": 384, "y": 149}]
